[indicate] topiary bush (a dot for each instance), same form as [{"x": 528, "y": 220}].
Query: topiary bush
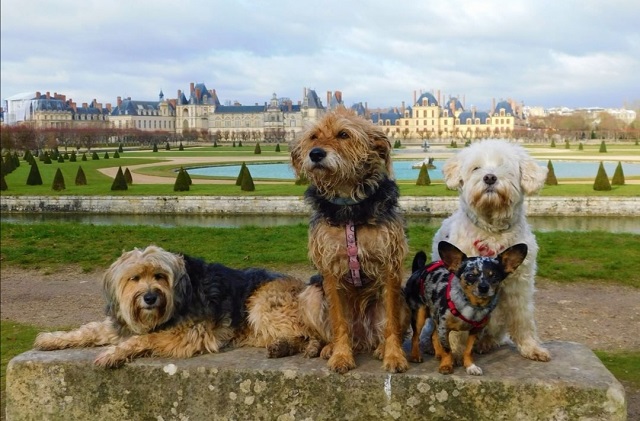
[
  {"x": 34, "y": 178},
  {"x": 120, "y": 149},
  {"x": 618, "y": 176},
  {"x": 602, "y": 180},
  {"x": 58, "y": 181},
  {"x": 277, "y": 147},
  {"x": 47, "y": 158},
  {"x": 84, "y": 157},
  {"x": 182, "y": 183},
  {"x": 119, "y": 183},
  {"x": 167, "y": 147},
  {"x": 240, "y": 174},
  {"x": 423, "y": 176},
  {"x": 247, "y": 181},
  {"x": 603, "y": 147},
  {"x": 128, "y": 177},
  {"x": 106, "y": 155},
  {"x": 181, "y": 148},
  {"x": 95, "y": 156},
  {"x": 73, "y": 157},
  {"x": 551, "y": 175},
  {"x": 155, "y": 147},
  {"x": 81, "y": 179},
  {"x": 257, "y": 149},
  {"x": 580, "y": 146},
  {"x": 116, "y": 154}
]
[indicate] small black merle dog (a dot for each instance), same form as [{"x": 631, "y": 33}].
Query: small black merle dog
[{"x": 458, "y": 293}]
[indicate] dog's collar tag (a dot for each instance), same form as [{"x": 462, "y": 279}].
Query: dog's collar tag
[{"x": 352, "y": 252}]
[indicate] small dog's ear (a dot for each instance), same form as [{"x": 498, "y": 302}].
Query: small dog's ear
[
  {"x": 532, "y": 175},
  {"x": 451, "y": 255},
  {"x": 296, "y": 158},
  {"x": 109, "y": 289},
  {"x": 182, "y": 288},
  {"x": 513, "y": 257},
  {"x": 452, "y": 173},
  {"x": 419, "y": 261}
]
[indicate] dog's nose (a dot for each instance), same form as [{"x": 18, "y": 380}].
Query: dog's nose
[
  {"x": 317, "y": 154},
  {"x": 483, "y": 288},
  {"x": 150, "y": 298},
  {"x": 490, "y": 179}
]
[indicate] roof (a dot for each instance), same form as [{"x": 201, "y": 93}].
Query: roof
[
  {"x": 130, "y": 107},
  {"x": 431, "y": 100},
  {"x": 504, "y": 105},
  {"x": 482, "y": 115},
  {"x": 391, "y": 115}
]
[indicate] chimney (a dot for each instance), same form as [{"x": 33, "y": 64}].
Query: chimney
[
  {"x": 85, "y": 105},
  {"x": 191, "y": 87},
  {"x": 493, "y": 105},
  {"x": 415, "y": 98},
  {"x": 403, "y": 108},
  {"x": 198, "y": 94},
  {"x": 48, "y": 95},
  {"x": 290, "y": 105},
  {"x": 339, "y": 96},
  {"x": 439, "y": 97},
  {"x": 473, "y": 112},
  {"x": 452, "y": 106},
  {"x": 328, "y": 99},
  {"x": 119, "y": 101},
  {"x": 464, "y": 101},
  {"x": 38, "y": 95},
  {"x": 108, "y": 105},
  {"x": 94, "y": 103},
  {"x": 63, "y": 98}
]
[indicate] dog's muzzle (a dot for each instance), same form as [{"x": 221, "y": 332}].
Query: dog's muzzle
[
  {"x": 490, "y": 179},
  {"x": 151, "y": 299},
  {"x": 317, "y": 154}
]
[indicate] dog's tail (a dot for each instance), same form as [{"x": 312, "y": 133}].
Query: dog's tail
[{"x": 419, "y": 261}]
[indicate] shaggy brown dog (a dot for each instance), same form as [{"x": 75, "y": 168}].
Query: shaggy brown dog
[
  {"x": 356, "y": 237},
  {"x": 168, "y": 305}
]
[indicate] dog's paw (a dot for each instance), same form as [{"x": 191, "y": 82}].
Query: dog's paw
[
  {"x": 474, "y": 370},
  {"x": 46, "y": 341},
  {"x": 326, "y": 352},
  {"x": 395, "y": 364},
  {"x": 416, "y": 358},
  {"x": 313, "y": 349},
  {"x": 110, "y": 358},
  {"x": 341, "y": 363},
  {"x": 485, "y": 345},
  {"x": 279, "y": 349},
  {"x": 445, "y": 369},
  {"x": 532, "y": 350}
]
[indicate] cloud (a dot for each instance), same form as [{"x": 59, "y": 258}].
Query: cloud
[{"x": 546, "y": 53}]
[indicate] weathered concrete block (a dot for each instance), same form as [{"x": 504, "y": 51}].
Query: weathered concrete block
[{"x": 242, "y": 384}]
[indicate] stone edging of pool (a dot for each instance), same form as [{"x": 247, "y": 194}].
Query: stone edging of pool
[{"x": 293, "y": 205}]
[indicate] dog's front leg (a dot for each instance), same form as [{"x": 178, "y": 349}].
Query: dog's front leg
[
  {"x": 341, "y": 359},
  {"x": 394, "y": 359},
  {"x": 418, "y": 319},
  {"x": 472, "y": 369},
  {"x": 440, "y": 339},
  {"x": 90, "y": 334}
]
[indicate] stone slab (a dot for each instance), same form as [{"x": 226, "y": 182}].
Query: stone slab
[{"x": 242, "y": 384}]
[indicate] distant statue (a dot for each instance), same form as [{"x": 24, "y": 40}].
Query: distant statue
[{"x": 425, "y": 146}]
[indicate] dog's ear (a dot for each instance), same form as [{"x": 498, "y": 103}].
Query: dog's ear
[
  {"x": 182, "y": 288},
  {"x": 419, "y": 261},
  {"x": 513, "y": 257},
  {"x": 109, "y": 289},
  {"x": 296, "y": 158},
  {"x": 451, "y": 255},
  {"x": 452, "y": 172},
  {"x": 532, "y": 175}
]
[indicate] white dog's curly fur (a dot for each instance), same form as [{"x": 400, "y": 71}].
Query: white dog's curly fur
[{"x": 493, "y": 177}]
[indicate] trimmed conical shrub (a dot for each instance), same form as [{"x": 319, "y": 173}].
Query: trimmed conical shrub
[
  {"x": 119, "y": 183},
  {"x": 81, "y": 179},
  {"x": 95, "y": 156},
  {"x": 128, "y": 177},
  {"x": 61, "y": 159},
  {"x": 16, "y": 160},
  {"x": 551, "y": 175},
  {"x": 155, "y": 147},
  {"x": 116, "y": 154},
  {"x": 73, "y": 157},
  {"x": 240, "y": 143},
  {"x": 106, "y": 155},
  {"x": 34, "y": 178},
  {"x": 240, "y": 174},
  {"x": 186, "y": 173},
  {"x": 567, "y": 145},
  {"x": 3, "y": 182},
  {"x": 120, "y": 149},
  {"x": 603, "y": 147},
  {"x": 47, "y": 158},
  {"x": 7, "y": 164},
  {"x": 58, "y": 181},
  {"x": 302, "y": 180},
  {"x": 618, "y": 176},
  {"x": 277, "y": 147},
  {"x": 602, "y": 180},
  {"x": 257, "y": 149},
  {"x": 27, "y": 156},
  {"x": 182, "y": 183},
  {"x": 580, "y": 146},
  {"x": 181, "y": 148},
  {"x": 423, "y": 176},
  {"x": 167, "y": 147},
  {"x": 247, "y": 181},
  {"x": 84, "y": 156},
  {"x": 553, "y": 143}
]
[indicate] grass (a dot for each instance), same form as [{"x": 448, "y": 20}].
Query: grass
[
  {"x": 564, "y": 257},
  {"x": 100, "y": 184},
  {"x": 624, "y": 365}
]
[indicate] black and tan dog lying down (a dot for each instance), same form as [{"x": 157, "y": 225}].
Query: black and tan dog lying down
[{"x": 169, "y": 305}]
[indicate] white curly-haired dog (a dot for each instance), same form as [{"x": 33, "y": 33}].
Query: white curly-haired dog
[{"x": 493, "y": 177}]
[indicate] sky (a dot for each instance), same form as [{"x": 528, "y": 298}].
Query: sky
[{"x": 547, "y": 53}]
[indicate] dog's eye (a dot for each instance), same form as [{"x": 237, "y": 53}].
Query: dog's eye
[
  {"x": 471, "y": 278},
  {"x": 343, "y": 135},
  {"x": 160, "y": 277},
  {"x": 313, "y": 136},
  {"x": 475, "y": 168},
  {"x": 135, "y": 278}
]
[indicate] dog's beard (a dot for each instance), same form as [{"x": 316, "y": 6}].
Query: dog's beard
[
  {"x": 143, "y": 318},
  {"x": 491, "y": 202}
]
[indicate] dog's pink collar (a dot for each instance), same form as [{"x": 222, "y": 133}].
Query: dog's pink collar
[
  {"x": 352, "y": 252},
  {"x": 459, "y": 315}
]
